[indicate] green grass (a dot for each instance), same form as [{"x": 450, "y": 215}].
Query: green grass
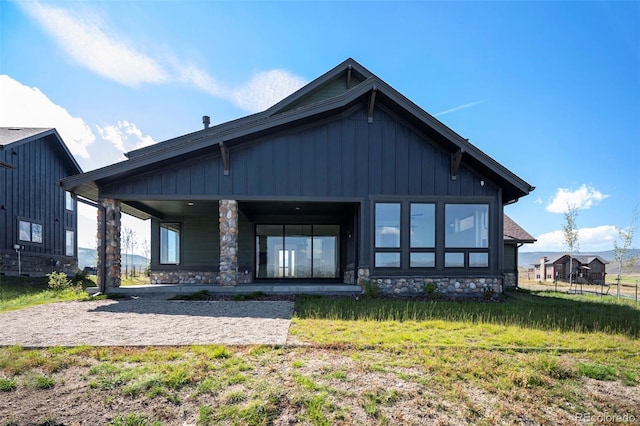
[
  {"x": 23, "y": 292},
  {"x": 530, "y": 355},
  {"x": 550, "y": 320}
]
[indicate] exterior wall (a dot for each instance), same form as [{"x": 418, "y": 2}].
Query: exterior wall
[
  {"x": 31, "y": 192},
  {"x": 36, "y": 265},
  {"x": 343, "y": 157}
]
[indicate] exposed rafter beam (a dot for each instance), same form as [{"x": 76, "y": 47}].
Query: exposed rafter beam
[
  {"x": 372, "y": 103},
  {"x": 456, "y": 158},
  {"x": 349, "y": 77},
  {"x": 224, "y": 152}
]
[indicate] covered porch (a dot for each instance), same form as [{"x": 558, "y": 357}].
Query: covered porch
[{"x": 289, "y": 246}]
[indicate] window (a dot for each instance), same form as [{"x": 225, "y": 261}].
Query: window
[
  {"x": 70, "y": 242},
  {"x": 466, "y": 231},
  {"x": 69, "y": 202},
  {"x": 170, "y": 243},
  {"x": 30, "y": 231},
  {"x": 422, "y": 235},
  {"x": 415, "y": 234},
  {"x": 466, "y": 225},
  {"x": 387, "y": 235}
]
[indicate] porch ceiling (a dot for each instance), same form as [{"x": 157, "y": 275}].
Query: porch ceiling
[{"x": 167, "y": 209}]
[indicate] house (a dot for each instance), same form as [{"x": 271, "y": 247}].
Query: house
[
  {"x": 589, "y": 269},
  {"x": 514, "y": 238},
  {"x": 38, "y": 218},
  {"x": 345, "y": 180}
]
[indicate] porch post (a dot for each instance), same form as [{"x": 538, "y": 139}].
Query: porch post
[
  {"x": 108, "y": 244},
  {"x": 228, "y": 211}
]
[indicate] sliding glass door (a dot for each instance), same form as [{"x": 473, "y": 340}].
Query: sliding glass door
[{"x": 297, "y": 251}]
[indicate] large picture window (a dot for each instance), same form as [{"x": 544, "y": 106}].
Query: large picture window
[
  {"x": 30, "y": 231},
  {"x": 170, "y": 243},
  {"x": 414, "y": 235}
]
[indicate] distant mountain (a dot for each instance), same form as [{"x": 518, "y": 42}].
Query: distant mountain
[
  {"x": 527, "y": 259},
  {"x": 88, "y": 257}
]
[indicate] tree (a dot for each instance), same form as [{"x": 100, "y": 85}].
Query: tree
[
  {"x": 129, "y": 244},
  {"x": 570, "y": 232},
  {"x": 621, "y": 255}
]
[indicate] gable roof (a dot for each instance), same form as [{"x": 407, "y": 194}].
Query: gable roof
[
  {"x": 515, "y": 233},
  {"x": 11, "y": 137},
  {"x": 582, "y": 259},
  {"x": 337, "y": 89}
]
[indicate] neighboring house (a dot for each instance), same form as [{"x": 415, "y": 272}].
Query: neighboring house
[
  {"x": 38, "y": 218},
  {"x": 343, "y": 181},
  {"x": 584, "y": 269},
  {"x": 514, "y": 238}
]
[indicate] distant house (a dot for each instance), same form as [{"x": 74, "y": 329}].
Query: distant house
[
  {"x": 584, "y": 269},
  {"x": 38, "y": 218},
  {"x": 344, "y": 181},
  {"x": 514, "y": 238}
]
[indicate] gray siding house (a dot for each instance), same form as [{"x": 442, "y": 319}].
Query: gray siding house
[
  {"x": 346, "y": 180},
  {"x": 38, "y": 218}
]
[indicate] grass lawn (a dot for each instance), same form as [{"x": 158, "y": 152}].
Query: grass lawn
[{"x": 533, "y": 358}]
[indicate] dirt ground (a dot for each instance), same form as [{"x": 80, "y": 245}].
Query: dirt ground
[{"x": 72, "y": 401}]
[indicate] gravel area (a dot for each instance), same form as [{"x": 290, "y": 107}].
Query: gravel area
[{"x": 147, "y": 322}]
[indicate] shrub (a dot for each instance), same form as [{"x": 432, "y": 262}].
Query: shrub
[
  {"x": 58, "y": 281},
  {"x": 371, "y": 288}
]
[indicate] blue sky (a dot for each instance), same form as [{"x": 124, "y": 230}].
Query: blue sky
[{"x": 551, "y": 90}]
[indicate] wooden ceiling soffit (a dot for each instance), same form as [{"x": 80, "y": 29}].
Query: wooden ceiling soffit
[
  {"x": 224, "y": 152},
  {"x": 372, "y": 103},
  {"x": 456, "y": 159}
]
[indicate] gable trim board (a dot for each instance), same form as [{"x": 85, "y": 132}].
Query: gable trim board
[{"x": 348, "y": 139}]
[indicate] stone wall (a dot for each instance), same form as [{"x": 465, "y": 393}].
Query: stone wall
[
  {"x": 112, "y": 215},
  {"x": 195, "y": 277},
  {"x": 35, "y": 265},
  {"x": 228, "y": 212},
  {"x": 437, "y": 286},
  {"x": 510, "y": 280}
]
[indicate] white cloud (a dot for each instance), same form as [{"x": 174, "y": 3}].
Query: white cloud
[
  {"x": 582, "y": 198},
  {"x": 23, "y": 106},
  {"x": 599, "y": 238},
  {"x": 85, "y": 38},
  {"x": 266, "y": 89},
  {"x": 124, "y": 136}
]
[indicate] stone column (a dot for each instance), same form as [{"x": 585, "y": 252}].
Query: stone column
[
  {"x": 109, "y": 217},
  {"x": 228, "y": 211}
]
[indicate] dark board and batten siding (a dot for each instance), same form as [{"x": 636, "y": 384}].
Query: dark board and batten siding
[
  {"x": 346, "y": 157},
  {"x": 31, "y": 191}
]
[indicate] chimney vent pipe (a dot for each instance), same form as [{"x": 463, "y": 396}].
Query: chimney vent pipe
[{"x": 206, "y": 121}]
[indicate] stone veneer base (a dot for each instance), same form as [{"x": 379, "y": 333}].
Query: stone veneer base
[{"x": 475, "y": 287}]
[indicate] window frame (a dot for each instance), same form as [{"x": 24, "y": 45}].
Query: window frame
[
  {"x": 69, "y": 202},
  {"x": 73, "y": 242},
  {"x": 439, "y": 250},
  {"x": 178, "y": 248},
  {"x": 31, "y": 223}
]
